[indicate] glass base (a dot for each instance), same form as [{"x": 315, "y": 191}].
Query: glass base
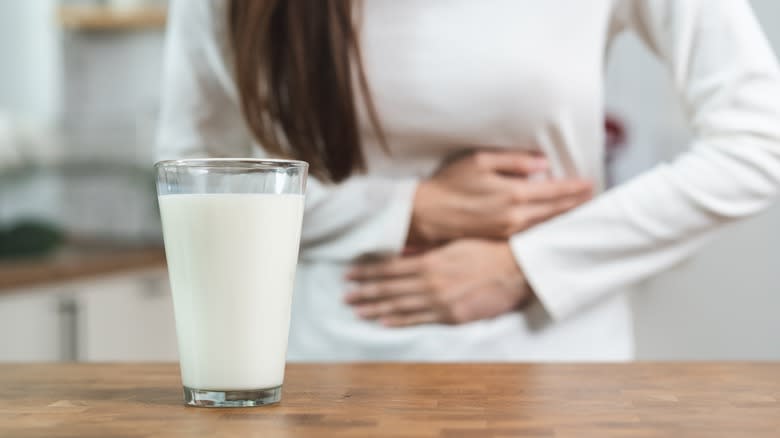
[{"x": 231, "y": 399}]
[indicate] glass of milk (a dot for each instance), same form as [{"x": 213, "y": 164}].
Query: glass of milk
[{"x": 232, "y": 229}]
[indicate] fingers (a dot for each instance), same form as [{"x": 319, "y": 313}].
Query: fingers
[
  {"x": 510, "y": 162},
  {"x": 407, "y": 320},
  {"x": 384, "y": 289},
  {"x": 536, "y": 191},
  {"x": 395, "y": 267},
  {"x": 394, "y": 306}
]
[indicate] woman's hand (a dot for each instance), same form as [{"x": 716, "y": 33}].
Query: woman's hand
[
  {"x": 487, "y": 194},
  {"x": 465, "y": 280}
]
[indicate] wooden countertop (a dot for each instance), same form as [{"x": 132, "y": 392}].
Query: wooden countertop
[
  {"x": 76, "y": 263},
  {"x": 404, "y": 400}
]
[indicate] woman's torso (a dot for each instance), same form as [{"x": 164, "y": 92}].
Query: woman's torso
[{"x": 447, "y": 76}]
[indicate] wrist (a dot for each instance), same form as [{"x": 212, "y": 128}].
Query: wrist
[
  {"x": 516, "y": 276},
  {"x": 422, "y": 228}
]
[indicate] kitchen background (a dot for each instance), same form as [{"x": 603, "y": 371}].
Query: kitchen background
[{"x": 81, "y": 270}]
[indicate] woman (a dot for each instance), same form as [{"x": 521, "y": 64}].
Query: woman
[{"x": 424, "y": 122}]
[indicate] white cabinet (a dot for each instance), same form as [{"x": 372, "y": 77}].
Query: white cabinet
[
  {"x": 127, "y": 318},
  {"x": 122, "y": 318},
  {"x": 34, "y": 325}
]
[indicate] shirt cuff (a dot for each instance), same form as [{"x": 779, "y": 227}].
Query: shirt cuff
[
  {"x": 542, "y": 273},
  {"x": 397, "y": 216}
]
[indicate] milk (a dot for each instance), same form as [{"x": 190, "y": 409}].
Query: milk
[{"x": 231, "y": 260}]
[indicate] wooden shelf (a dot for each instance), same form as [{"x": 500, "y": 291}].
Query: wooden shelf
[{"x": 105, "y": 18}]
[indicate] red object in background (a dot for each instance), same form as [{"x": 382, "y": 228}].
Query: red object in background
[
  {"x": 616, "y": 139},
  {"x": 616, "y": 136}
]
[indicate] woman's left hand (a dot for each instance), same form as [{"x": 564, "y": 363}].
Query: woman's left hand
[{"x": 462, "y": 281}]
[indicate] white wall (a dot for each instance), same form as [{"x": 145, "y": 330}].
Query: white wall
[
  {"x": 29, "y": 48},
  {"x": 29, "y": 102},
  {"x": 724, "y": 303}
]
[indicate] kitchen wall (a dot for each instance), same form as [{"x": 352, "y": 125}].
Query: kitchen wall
[
  {"x": 88, "y": 98},
  {"x": 110, "y": 98},
  {"x": 724, "y": 302},
  {"x": 29, "y": 48},
  {"x": 29, "y": 101}
]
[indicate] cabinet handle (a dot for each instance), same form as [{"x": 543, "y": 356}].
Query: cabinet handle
[{"x": 68, "y": 310}]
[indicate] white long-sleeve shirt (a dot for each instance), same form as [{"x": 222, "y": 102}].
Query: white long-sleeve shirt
[{"x": 450, "y": 75}]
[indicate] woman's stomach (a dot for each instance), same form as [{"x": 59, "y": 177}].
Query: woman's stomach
[{"x": 324, "y": 328}]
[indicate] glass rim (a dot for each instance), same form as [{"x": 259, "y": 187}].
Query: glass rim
[{"x": 240, "y": 163}]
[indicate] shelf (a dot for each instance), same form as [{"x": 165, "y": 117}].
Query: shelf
[{"x": 105, "y": 18}]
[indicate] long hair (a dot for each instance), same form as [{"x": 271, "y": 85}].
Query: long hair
[{"x": 295, "y": 63}]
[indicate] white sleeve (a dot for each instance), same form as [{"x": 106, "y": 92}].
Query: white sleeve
[
  {"x": 727, "y": 77},
  {"x": 200, "y": 117}
]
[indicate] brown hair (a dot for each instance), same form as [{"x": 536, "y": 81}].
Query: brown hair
[{"x": 294, "y": 72}]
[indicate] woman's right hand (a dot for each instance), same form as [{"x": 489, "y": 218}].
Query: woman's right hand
[{"x": 488, "y": 194}]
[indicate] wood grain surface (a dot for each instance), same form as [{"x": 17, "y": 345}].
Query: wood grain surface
[
  {"x": 404, "y": 400},
  {"x": 77, "y": 264}
]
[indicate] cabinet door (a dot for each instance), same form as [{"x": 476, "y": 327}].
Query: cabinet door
[
  {"x": 128, "y": 318},
  {"x": 33, "y": 324}
]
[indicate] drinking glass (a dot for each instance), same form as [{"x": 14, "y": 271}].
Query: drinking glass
[{"x": 232, "y": 230}]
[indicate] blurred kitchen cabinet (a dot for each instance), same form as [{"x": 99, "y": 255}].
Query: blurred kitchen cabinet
[
  {"x": 35, "y": 326},
  {"x": 127, "y": 318}
]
